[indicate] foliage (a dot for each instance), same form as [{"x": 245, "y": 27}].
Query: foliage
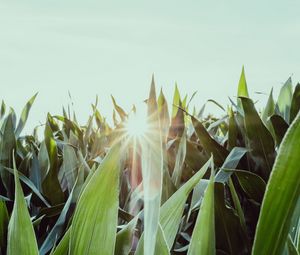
[{"x": 227, "y": 185}]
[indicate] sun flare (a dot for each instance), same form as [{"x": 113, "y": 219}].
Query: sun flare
[{"x": 137, "y": 125}]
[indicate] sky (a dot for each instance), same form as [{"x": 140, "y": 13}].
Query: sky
[{"x": 111, "y": 47}]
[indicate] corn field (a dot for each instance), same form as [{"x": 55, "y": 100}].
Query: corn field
[{"x": 172, "y": 182}]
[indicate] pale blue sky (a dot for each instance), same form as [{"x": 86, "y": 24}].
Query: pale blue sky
[{"x": 92, "y": 47}]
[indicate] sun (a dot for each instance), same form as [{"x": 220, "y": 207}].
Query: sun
[{"x": 136, "y": 125}]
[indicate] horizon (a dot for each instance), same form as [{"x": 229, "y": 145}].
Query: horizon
[{"x": 90, "y": 48}]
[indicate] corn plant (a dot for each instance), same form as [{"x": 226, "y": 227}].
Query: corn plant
[{"x": 171, "y": 182}]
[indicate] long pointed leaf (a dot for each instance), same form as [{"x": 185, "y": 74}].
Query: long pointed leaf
[
  {"x": 282, "y": 193},
  {"x": 21, "y": 236},
  {"x": 203, "y": 237},
  {"x": 95, "y": 218}
]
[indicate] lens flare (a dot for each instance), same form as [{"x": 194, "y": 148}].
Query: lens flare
[{"x": 136, "y": 126}]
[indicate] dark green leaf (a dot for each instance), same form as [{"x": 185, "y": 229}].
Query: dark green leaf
[{"x": 282, "y": 194}]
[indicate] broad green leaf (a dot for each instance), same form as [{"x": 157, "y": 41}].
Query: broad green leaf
[
  {"x": 152, "y": 172},
  {"x": 203, "y": 237},
  {"x": 172, "y": 210},
  {"x": 24, "y": 116},
  {"x": 285, "y": 99},
  {"x": 242, "y": 87},
  {"x": 282, "y": 193},
  {"x": 259, "y": 140},
  {"x": 95, "y": 219},
  {"x": 209, "y": 143},
  {"x": 295, "y": 105},
  {"x": 21, "y": 237}
]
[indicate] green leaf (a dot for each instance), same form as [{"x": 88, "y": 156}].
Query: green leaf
[
  {"x": 35, "y": 172},
  {"x": 2, "y": 110},
  {"x": 176, "y": 102},
  {"x": 63, "y": 246},
  {"x": 209, "y": 144},
  {"x": 7, "y": 145},
  {"x": 161, "y": 247},
  {"x": 151, "y": 102},
  {"x": 24, "y": 115},
  {"x": 21, "y": 236},
  {"x": 231, "y": 161},
  {"x": 194, "y": 158},
  {"x": 152, "y": 172},
  {"x": 282, "y": 193},
  {"x": 284, "y": 100},
  {"x": 237, "y": 205},
  {"x": 95, "y": 219},
  {"x": 125, "y": 237},
  {"x": 252, "y": 184},
  {"x": 51, "y": 186},
  {"x": 232, "y": 130},
  {"x": 69, "y": 166},
  {"x": 58, "y": 228},
  {"x": 259, "y": 139},
  {"x": 172, "y": 209},
  {"x": 29, "y": 184},
  {"x": 119, "y": 110},
  {"x": 163, "y": 115},
  {"x": 180, "y": 158},
  {"x": 203, "y": 237},
  {"x": 295, "y": 105},
  {"x": 280, "y": 127},
  {"x": 4, "y": 218},
  {"x": 216, "y": 103},
  {"x": 230, "y": 236},
  {"x": 268, "y": 111},
  {"x": 242, "y": 87},
  {"x": 177, "y": 119}
]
